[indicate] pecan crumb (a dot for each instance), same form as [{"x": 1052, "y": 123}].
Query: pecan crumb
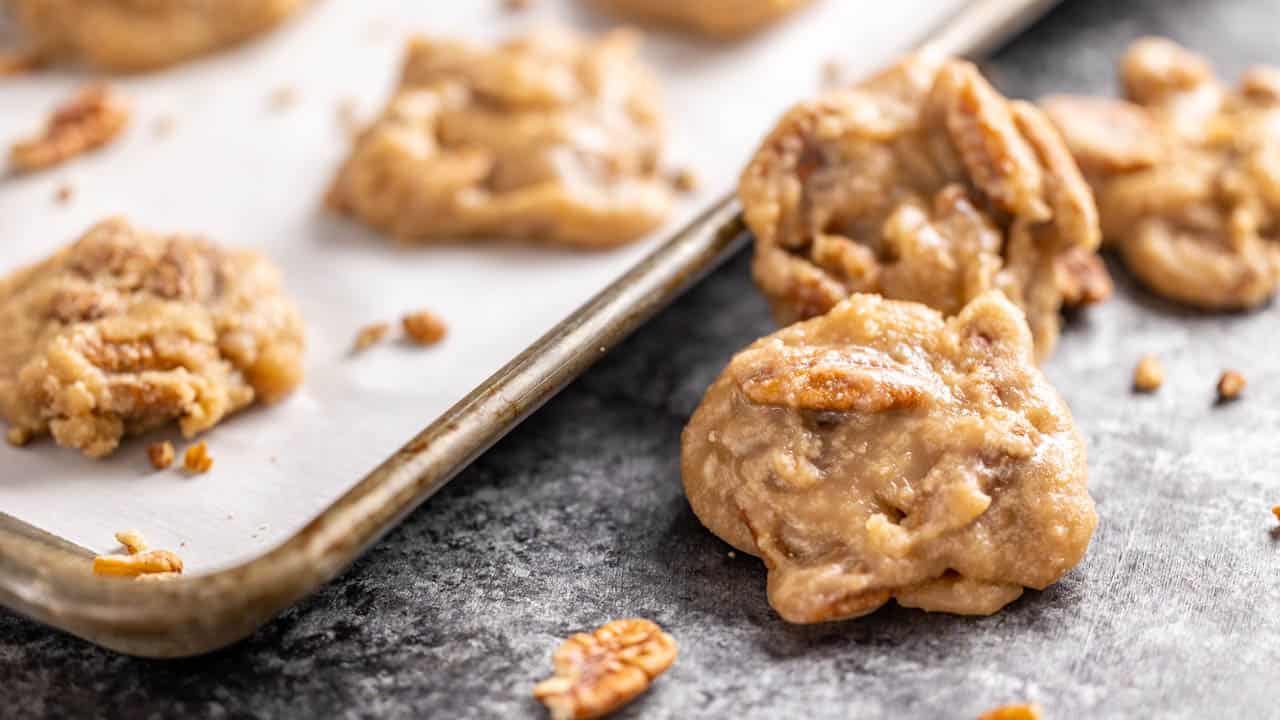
[
  {"x": 517, "y": 5},
  {"x": 1012, "y": 712},
  {"x": 1148, "y": 376},
  {"x": 423, "y": 327},
  {"x": 283, "y": 98},
  {"x": 371, "y": 335},
  {"x": 64, "y": 193},
  {"x": 599, "y": 673},
  {"x": 91, "y": 119},
  {"x": 1275, "y": 510},
  {"x": 197, "y": 459},
  {"x": 139, "y": 561},
  {"x": 144, "y": 563},
  {"x": 1230, "y": 385},
  {"x": 18, "y": 437},
  {"x": 685, "y": 180},
  {"x": 132, "y": 541},
  {"x": 161, "y": 455}
]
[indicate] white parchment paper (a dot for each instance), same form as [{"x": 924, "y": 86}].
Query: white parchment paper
[{"x": 237, "y": 170}]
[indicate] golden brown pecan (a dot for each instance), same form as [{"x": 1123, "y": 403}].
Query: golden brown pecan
[
  {"x": 371, "y": 335},
  {"x": 600, "y": 672},
  {"x": 160, "y": 454},
  {"x": 423, "y": 327},
  {"x": 1148, "y": 375},
  {"x": 91, "y": 119},
  {"x": 139, "y": 561},
  {"x": 197, "y": 459},
  {"x": 1230, "y": 385}
]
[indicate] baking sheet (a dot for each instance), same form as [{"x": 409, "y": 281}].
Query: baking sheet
[{"x": 246, "y": 173}]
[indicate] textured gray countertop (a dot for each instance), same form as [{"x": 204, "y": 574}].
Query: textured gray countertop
[{"x": 578, "y": 517}]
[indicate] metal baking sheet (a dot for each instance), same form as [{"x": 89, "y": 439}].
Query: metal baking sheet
[{"x": 238, "y": 170}]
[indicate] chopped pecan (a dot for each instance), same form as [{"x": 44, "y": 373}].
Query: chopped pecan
[
  {"x": 139, "y": 561},
  {"x": 599, "y": 673},
  {"x": 1230, "y": 385},
  {"x": 1148, "y": 375},
  {"x": 91, "y": 119},
  {"x": 197, "y": 459},
  {"x": 371, "y": 335},
  {"x": 160, "y": 454},
  {"x": 423, "y": 327}
]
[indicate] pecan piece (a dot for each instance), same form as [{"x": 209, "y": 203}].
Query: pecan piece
[
  {"x": 423, "y": 327},
  {"x": 1230, "y": 385},
  {"x": 160, "y": 454},
  {"x": 138, "y": 560},
  {"x": 1148, "y": 375},
  {"x": 600, "y": 672},
  {"x": 91, "y": 119},
  {"x": 197, "y": 458}
]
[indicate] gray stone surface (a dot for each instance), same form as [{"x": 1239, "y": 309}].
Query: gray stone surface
[{"x": 578, "y": 517}]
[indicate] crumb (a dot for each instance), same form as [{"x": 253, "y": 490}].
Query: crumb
[
  {"x": 18, "y": 437},
  {"x": 197, "y": 459},
  {"x": 833, "y": 73},
  {"x": 163, "y": 126},
  {"x": 132, "y": 541},
  {"x": 1275, "y": 510},
  {"x": 161, "y": 455},
  {"x": 732, "y": 554},
  {"x": 424, "y": 328},
  {"x": 138, "y": 562},
  {"x": 1230, "y": 385},
  {"x": 20, "y": 62},
  {"x": 64, "y": 193},
  {"x": 516, "y": 5},
  {"x": 283, "y": 98},
  {"x": 349, "y": 116},
  {"x": 1013, "y": 712},
  {"x": 90, "y": 120},
  {"x": 1148, "y": 376},
  {"x": 371, "y": 335},
  {"x": 685, "y": 180}
]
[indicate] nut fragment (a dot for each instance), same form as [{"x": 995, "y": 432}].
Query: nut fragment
[
  {"x": 139, "y": 561},
  {"x": 371, "y": 335},
  {"x": 1148, "y": 376},
  {"x": 161, "y": 454},
  {"x": 18, "y": 436},
  {"x": 599, "y": 673},
  {"x": 132, "y": 541},
  {"x": 685, "y": 180},
  {"x": 91, "y": 119},
  {"x": 1275, "y": 510},
  {"x": 423, "y": 327},
  {"x": 144, "y": 563},
  {"x": 197, "y": 459},
  {"x": 1012, "y": 712},
  {"x": 1230, "y": 385},
  {"x": 64, "y": 193}
]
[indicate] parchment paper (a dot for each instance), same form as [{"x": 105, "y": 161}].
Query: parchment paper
[{"x": 243, "y": 172}]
